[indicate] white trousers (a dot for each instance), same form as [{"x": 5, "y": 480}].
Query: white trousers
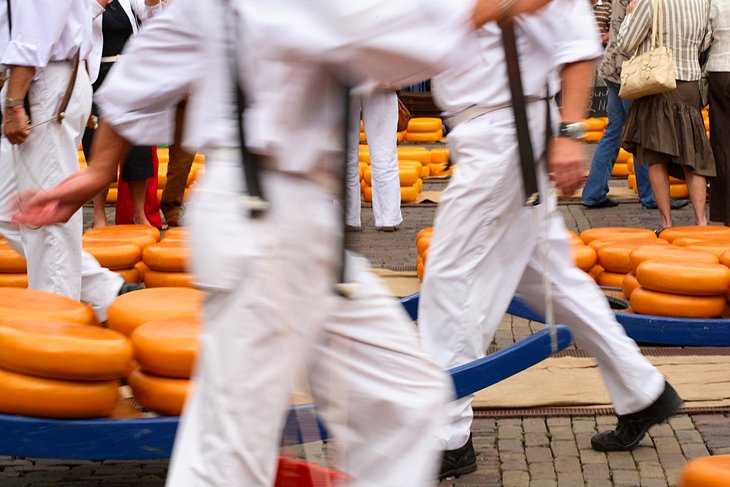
[
  {"x": 56, "y": 262},
  {"x": 271, "y": 317},
  {"x": 485, "y": 247},
  {"x": 380, "y": 118}
]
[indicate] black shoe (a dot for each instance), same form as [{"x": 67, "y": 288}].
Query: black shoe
[
  {"x": 607, "y": 203},
  {"x": 128, "y": 287},
  {"x": 458, "y": 462},
  {"x": 352, "y": 228},
  {"x": 632, "y": 427},
  {"x": 677, "y": 204}
]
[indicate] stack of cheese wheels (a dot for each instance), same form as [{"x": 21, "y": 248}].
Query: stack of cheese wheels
[
  {"x": 13, "y": 270},
  {"x": 120, "y": 257},
  {"x": 711, "y": 471},
  {"x": 139, "y": 235},
  {"x": 440, "y": 162},
  {"x": 423, "y": 241},
  {"x": 410, "y": 181},
  {"x": 196, "y": 170},
  {"x": 631, "y": 178},
  {"x": 614, "y": 258},
  {"x": 424, "y": 130},
  {"x": 621, "y": 167},
  {"x": 416, "y": 153},
  {"x": 133, "y": 309},
  {"x": 165, "y": 350},
  {"x": 22, "y": 304},
  {"x": 678, "y": 282},
  {"x": 583, "y": 255},
  {"x": 167, "y": 264},
  {"x": 595, "y": 128},
  {"x": 59, "y": 369},
  {"x": 697, "y": 232},
  {"x": 596, "y": 237}
]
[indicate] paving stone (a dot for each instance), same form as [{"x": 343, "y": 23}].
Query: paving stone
[
  {"x": 542, "y": 471},
  {"x": 620, "y": 460},
  {"x": 651, "y": 470},
  {"x": 625, "y": 478},
  {"x": 536, "y": 439},
  {"x": 570, "y": 479},
  {"x": 564, "y": 448},
  {"x": 515, "y": 478},
  {"x": 567, "y": 464}
]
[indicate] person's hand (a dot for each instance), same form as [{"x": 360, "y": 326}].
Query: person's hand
[
  {"x": 35, "y": 209},
  {"x": 15, "y": 125},
  {"x": 565, "y": 161}
]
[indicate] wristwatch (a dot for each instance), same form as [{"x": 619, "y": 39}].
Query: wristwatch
[
  {"x": 575, "y": 130},
  {"x": 14, "y": 102}
]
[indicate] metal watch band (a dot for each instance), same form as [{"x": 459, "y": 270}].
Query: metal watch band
[{"x": 14, "y": 102}]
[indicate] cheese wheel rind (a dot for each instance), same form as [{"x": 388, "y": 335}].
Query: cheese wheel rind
[
  {"x": 684, "y": 278},
  {"x": 167, "y": 347},
  {"x": 17, "y": 303},
  {"x": 130, "y": 310},
  {"x": 160, "y": 394},
  {"x": 646, "y": 302}
]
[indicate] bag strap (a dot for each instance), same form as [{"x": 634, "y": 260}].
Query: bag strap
[
  {"x": 61, "y": 112},
  {"x": 527, "y": 157},
  {"x": 658, "y": 24}
]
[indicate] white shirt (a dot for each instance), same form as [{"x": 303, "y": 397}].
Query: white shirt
[
  {"x": 47, "y": 30},
  {"x": 283, "y": 45},
  {"x": 563, "y": 32},
  {"x": 720, "y": 48}
]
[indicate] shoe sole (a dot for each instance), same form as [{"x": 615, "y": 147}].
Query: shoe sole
[
  {"x": 457, "y": 472},
  {"x": 657, "y": 419}
]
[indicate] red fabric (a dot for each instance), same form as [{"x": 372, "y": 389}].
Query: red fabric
[
  {"x": 125, "y": 209},
  {"x": 298, "y": 473}
]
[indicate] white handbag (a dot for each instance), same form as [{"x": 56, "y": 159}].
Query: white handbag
[{"x": 653, "y": 71}]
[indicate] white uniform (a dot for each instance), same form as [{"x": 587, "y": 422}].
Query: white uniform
[
  {"x": 485, "y": 243},
  {"x": 271, "y": 314},
  {"x": 380, "y": 119},
  {"x": 46, "y": 35}
]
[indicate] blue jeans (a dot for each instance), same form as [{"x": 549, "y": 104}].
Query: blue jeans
[{"x": 595, "y": 190}]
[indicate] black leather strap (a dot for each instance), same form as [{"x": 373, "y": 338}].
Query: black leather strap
[{"x": 527, "y": 157}]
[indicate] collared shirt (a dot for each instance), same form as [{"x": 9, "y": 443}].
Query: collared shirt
[
  {"x": 720, "y": 24},
  {"x": 563, "y": 32},
  {"x": 686, "y": 33},
  {"x": 613, "y": 58},
  {"x": 288, "y": 51},
  {"x": 45, "y": 31}
]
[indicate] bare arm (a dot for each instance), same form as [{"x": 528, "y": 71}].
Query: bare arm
[
  {"x": 490, "y": 10},
  {"x": 567, "y": 156},
  {"x": 60, "y": 203},
  {"x": 15, "y": 125}
]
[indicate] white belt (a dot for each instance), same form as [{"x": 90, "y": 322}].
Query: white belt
[
  {"x": 111, "y": 59},
  {"x": 475, "y": 111}
]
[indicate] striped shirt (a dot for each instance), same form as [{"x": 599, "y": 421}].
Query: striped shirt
[
  {"x": 685, "y": 26},
  {"x": 720, "y": 49},
  {"x": 602, "y": 11}
]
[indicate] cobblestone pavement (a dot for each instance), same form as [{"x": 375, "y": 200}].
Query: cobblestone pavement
[{"x": 512, "y": 452}]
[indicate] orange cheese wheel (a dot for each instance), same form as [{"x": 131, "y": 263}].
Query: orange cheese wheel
[
  {"x": 623, "y": 156},
  {"x": 428, "y": 231},
  {"x": 420, "y": 267},
  {"x": 423, "y": 243},
  {"x": 167, "y": 347},
  {"x": 620, "y": 170},
  {"x": 669, "y": 253},
  {"x": 177, "y": 233},
  {"x": 596, "y": 271},
  {"x": 419, "y": 184},
  {"x": 678, "y": 191},
  {"x": 420, "y": 154},
  {"x": 52, "y": 398},
  {"x": 140, "y": 239},
  {"x": 615, "y": 232},
  {"x": 593, "y": 136},
  {"x": 439, "y": 155},
  {"x": 367, "y": 193},
  {"x": 168, "y": 279},
  {"x": 408, "y": 194},
  {"x": 574, "y": 238},
  {"x": 425, "y": 171},
  {"x": 141, "y": 269},
  {"x": 10, "y": 261},
  {"x": 113, "y": 254},
  {"x": 687, "y": 241},
  {"x": 14, "y": 280},
  {"x": 602, "y": 242},
  {"x": 111, "y": 195},
  {"x": 163, "y": 395},
  {"x": 130, "y": 310},
  {"x": 711, "y": 471},
  {"x": 631, "y": 182},
  {"x": 611, "y": 279},
  {"x": 61, "y": 350},
  {"x": 672, "y": 233},
  {"x": 424, "y": 124},
  {"x": 715, "y": 247},
  {"x": 632, "y": 167},
  {"x": 424, "y": 137},
  {"x": 199, "y": 159},
  {"x": 691, "y": 279},
  {"x": 654, "y": 303},
  {"x": 129, "y": 275},
  {"x": 583, "y": 256},
  {"x": 629, "y": 284},
  {"x": 615, "y": 257},
  {"x": 171, "y": 256},
  {"x": 400, "y": 136},
  {"x": 20, "y": 304},
  {"x": 112, "y": 230},
  {"x": 407, "y": 175}
]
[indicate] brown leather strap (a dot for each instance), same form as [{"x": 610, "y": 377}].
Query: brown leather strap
[{"x": 61, "y": 112}]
